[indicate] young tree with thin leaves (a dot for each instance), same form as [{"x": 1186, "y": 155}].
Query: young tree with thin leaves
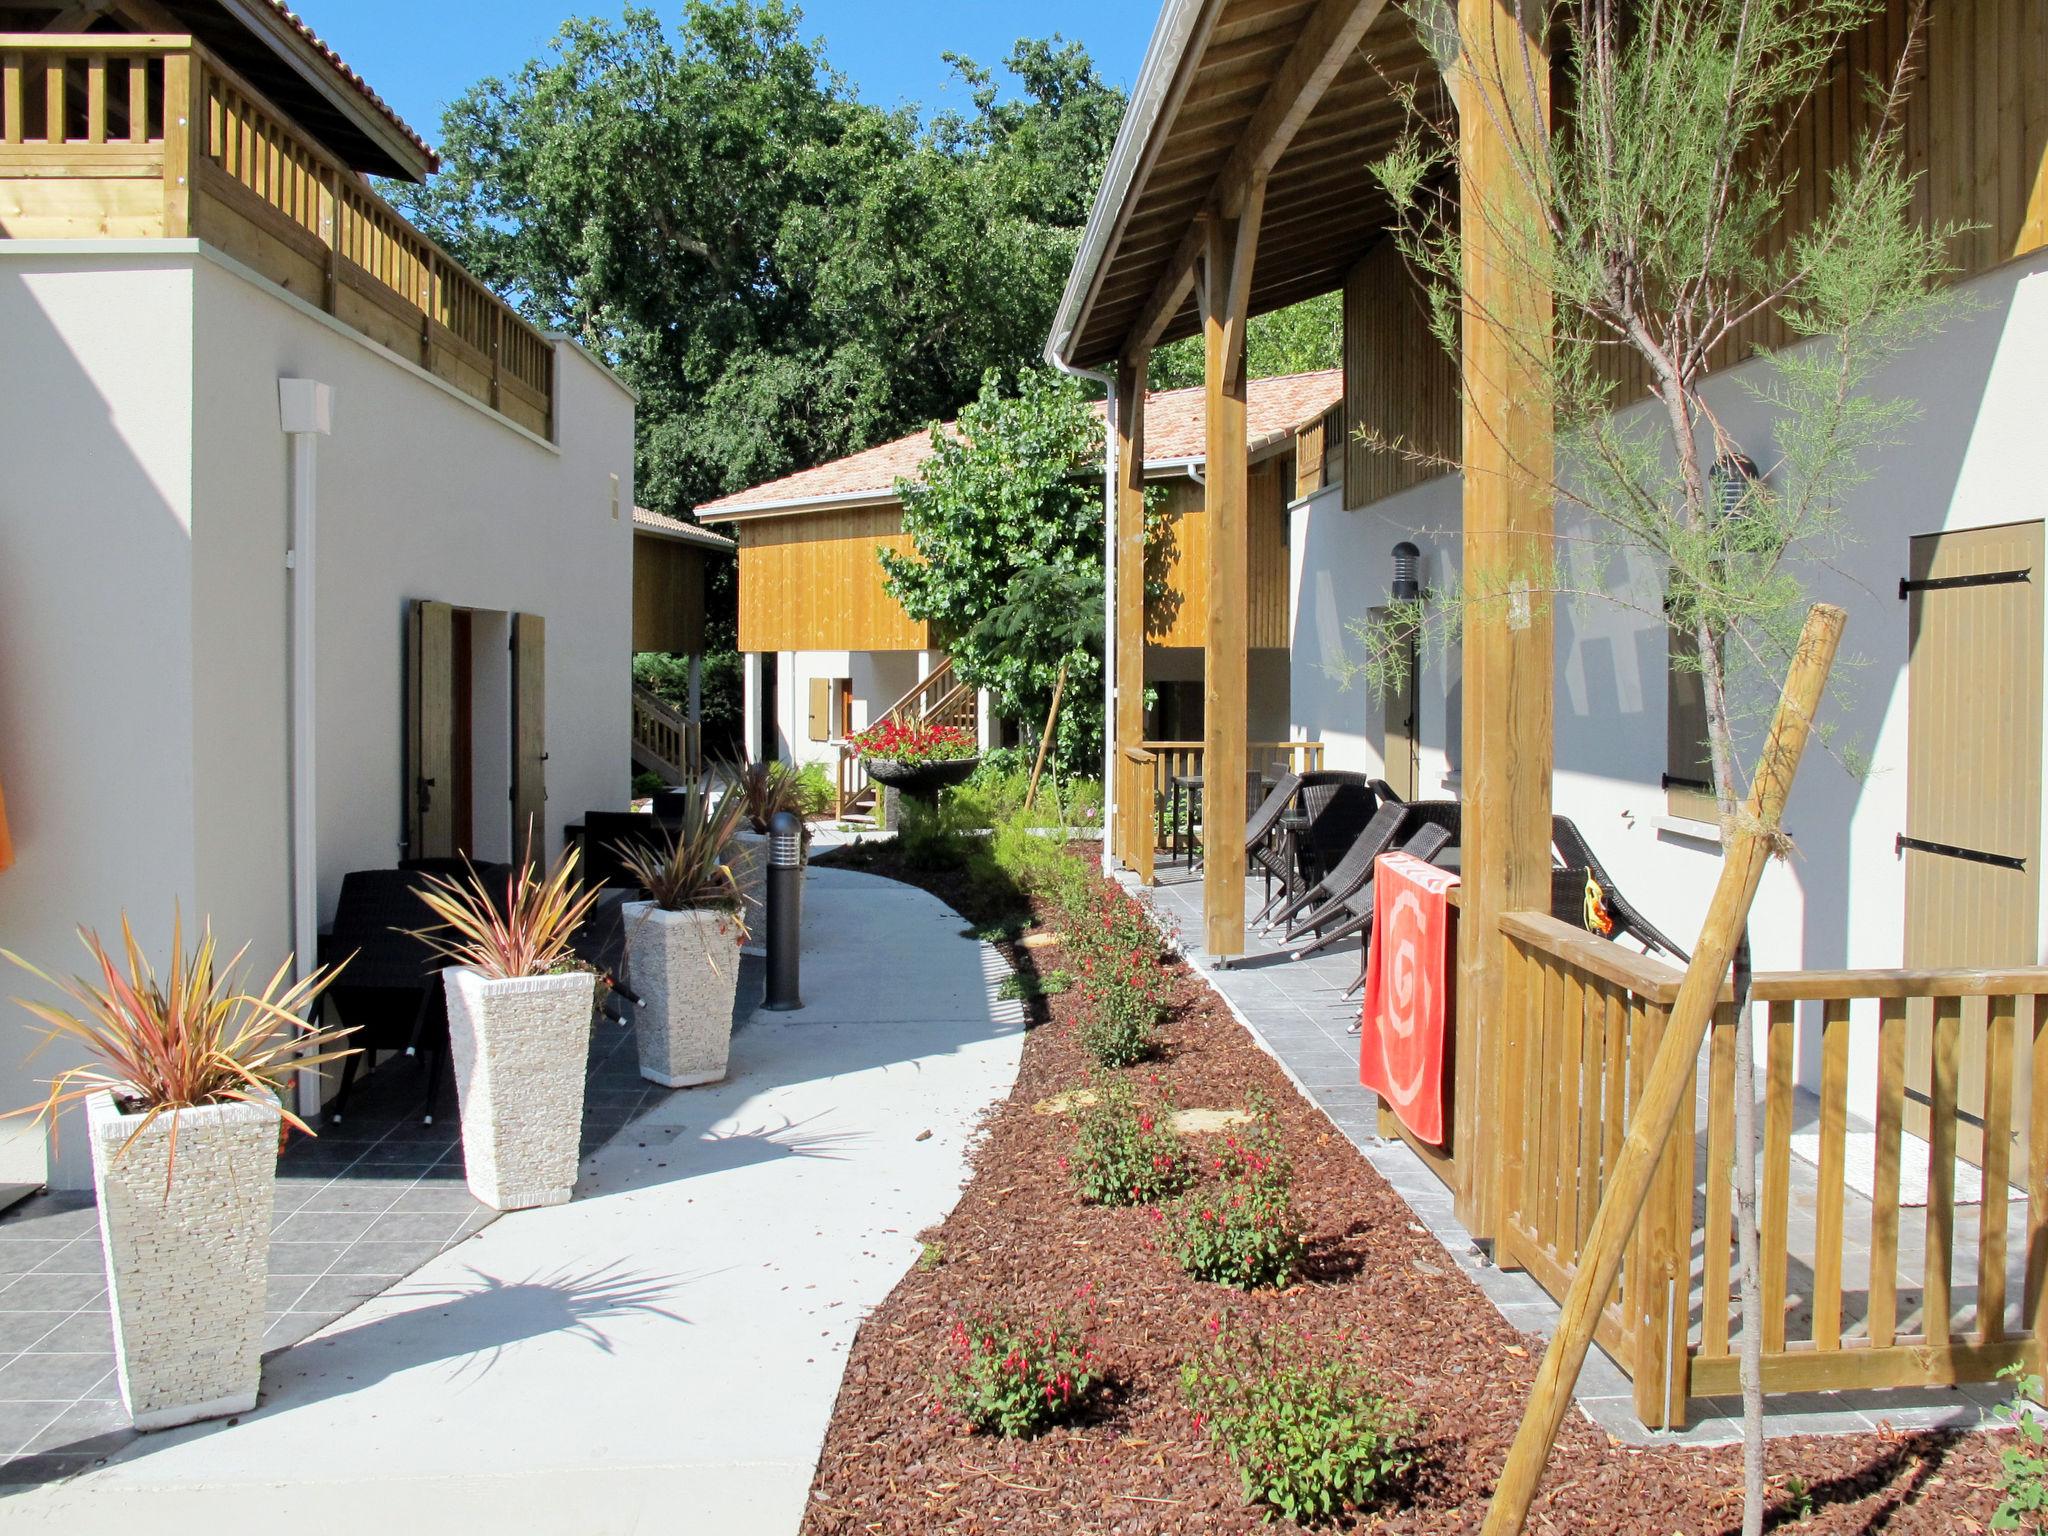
[
  {"x": 1644, "y": 208},
  {"x": 1006, "y": 525}
]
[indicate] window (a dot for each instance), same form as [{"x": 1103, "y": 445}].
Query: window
[{"x": 1688, "y": 761}]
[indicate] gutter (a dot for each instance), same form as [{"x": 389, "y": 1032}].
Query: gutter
[
  {"x": 305, "y": 411},
  {"x": 1172, "y": 39}
]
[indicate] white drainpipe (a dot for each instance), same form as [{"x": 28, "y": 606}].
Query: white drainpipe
[
  {"x": 1109, "y": 677},
  {"x": 305, "y": 410}
]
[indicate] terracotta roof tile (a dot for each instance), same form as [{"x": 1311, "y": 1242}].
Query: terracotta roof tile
[
  {"x": 676, "y": 528},
  {"x": 356, "y": 81},
  {"x": 1174, "y": 432}
]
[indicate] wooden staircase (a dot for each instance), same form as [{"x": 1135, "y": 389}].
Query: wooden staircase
[
  {"x": 940, "y": 698},
  {"x": 663, "y": 741}
]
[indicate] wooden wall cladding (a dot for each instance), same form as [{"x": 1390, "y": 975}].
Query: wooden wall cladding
[
  {"x": 668, "y": 595},
  {"x": 1181, "y": 555},
  {"x": 1399, "y": 383},
  {"x": 1976, "y": 136},
  {"x": 813, "y": 582}
]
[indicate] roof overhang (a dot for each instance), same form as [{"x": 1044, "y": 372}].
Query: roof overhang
[
  {"x": 1299, "y": 95},
  {"x": 842, "y": 501}
]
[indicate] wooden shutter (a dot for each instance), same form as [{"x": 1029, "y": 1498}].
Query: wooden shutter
[
  {"x": 1688, "y": 759},
  {"x": 430, "y": 732},
  {"x": 1973, "y": 786},
  {"x": 529, "y": 734},
  {"x": 821, "y": 709}
]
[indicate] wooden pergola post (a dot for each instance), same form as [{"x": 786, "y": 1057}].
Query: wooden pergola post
[
  {"x": 1223, "y": 289},
  {"x": 1508, "y": 664},
  {"x": 1134, "y": 811}
]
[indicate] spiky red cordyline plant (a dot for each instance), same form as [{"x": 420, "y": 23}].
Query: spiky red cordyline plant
[
  {"x": 530, "y": 935},
  {"x": 193, "y": 1039}
]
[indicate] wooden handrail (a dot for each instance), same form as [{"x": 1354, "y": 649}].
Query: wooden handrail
[
  {"x": 222, "y": 136},
  {"x": 941, "y": 673}
]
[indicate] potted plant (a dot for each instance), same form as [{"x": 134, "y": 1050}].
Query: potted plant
[
  {"x": 917, "y": 759},
  {"x": 186, "y": 1083},
  {"x": 519, "y": 1011},
  {"x": 762, "y": 790},
  {"x": 681, "y": 943}
]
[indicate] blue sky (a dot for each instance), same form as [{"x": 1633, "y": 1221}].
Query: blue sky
[{"x": 420, "y": 54}]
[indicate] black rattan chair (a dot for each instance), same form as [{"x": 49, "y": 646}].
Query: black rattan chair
[
  {"x": 1349, "y": 872},
  {"x": 603, "y": 834},
  {"x": 1265, "y": 849},
  {"x": 1568, "y": 892},
  {"x": 1335, "y": 807},
  {"x": 1353, "y": 914}
]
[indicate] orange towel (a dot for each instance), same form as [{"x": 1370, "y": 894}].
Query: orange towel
[
  {"x": 1401, "y": 1045},
  {"x": 6, "y": 843}
]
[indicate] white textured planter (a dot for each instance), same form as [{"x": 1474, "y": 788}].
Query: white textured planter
[
  {"x": 686, "y": 967},
  {"x": 186, "y": 1270},
  {"x": 748, "y": 857},
  {"x": 520, "y": 1048}
]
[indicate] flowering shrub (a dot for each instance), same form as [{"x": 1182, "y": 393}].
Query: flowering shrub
[
  {"x": 1015, "y": 1379},
  {"x": 1242, "y": 1231},
  {"x": 1126, "y": 1153},
  {"x": 904, "y": 742},
  {"x": 1311, "y": 1434}
]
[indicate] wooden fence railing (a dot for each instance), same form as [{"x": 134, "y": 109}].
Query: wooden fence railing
[
  {"x": 664, "y": 742},
  {"x": 148, "y": 136},
  {"x": 1146, "y": 778},
  {"x": 1584, "y": 1020}
]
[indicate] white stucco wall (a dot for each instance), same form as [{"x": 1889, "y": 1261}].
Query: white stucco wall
[
  {"x": 143, "y": 514},
  {"x": 879, "y": 679},
  {"x": 1977, "y": 457}
]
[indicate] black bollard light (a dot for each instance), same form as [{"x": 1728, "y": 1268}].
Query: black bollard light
[{"x": 785, "y": 910}]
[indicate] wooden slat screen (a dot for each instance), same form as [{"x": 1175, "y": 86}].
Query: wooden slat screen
[
  {"x": 1179, "y": 562},
  {"x": 1399, "y": 383}
]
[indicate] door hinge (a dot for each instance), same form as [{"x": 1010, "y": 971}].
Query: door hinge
[
  {"x": 1950, "y": 583},
  {"x": 1952, "y": 851}
]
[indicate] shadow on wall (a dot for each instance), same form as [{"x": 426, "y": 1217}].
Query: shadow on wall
[{"x": 97, "y": 691}]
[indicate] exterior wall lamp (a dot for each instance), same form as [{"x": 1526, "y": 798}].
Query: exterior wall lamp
[{"x": 1407, "y": 585}]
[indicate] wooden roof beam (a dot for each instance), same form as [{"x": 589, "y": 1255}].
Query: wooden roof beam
[{"x": 1327, "y": 40}]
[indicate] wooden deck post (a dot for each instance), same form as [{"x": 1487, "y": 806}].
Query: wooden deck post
[
  {"x": 1134, "y": 815},
  {"x": 1508, "y": 664},
  {"x": 1668, "y": 1087},
  {"x": 1223, "y": 288}
]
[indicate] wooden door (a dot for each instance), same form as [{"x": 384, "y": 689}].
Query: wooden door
[
  {"x": 821, "y": 709},
  {"x": 430, "y": 732},
  {"x": 529, "y": 736},
  {"x": 1972, "y": 837},
  {"x": 1397, "y": 721}
]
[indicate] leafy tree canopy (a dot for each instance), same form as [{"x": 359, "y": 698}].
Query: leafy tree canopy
[
  {"x": 1302, "y": 338},
  {"x": 1007, "y": 528},
  {"x": 785, "y": 273}
]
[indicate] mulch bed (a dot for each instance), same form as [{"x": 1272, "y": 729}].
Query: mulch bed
[{"x": 1020, "y": 1239}]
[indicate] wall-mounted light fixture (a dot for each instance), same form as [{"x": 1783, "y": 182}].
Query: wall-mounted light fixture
[
  {"x": 1407, "y": 585},
  {"x": 1733, "y": 475}
]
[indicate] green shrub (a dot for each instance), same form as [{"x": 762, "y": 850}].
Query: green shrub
[
  {"x": 931, "y": 836},
  {"x": 815, "y": 792},
  {"x": 1125, "y": 1152},
  {"x": 2023, "y": 1469},
  {"x": 1311, "y": 1434},
  {"x": 1242, "y": 1231},
  {"x": 645, "y": 784},
  {"x": 1014, "y": 1379}
]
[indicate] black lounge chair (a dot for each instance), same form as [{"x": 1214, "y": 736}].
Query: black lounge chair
[
  {"x": 1264, "y": 849},
  {"x": 1349, "y": 872},
  {"x": 1568, "y": 892},
  {"x": 1335, "y": 806},
  {"x": 1353, "y": 914}
]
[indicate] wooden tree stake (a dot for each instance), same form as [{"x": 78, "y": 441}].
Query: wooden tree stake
[
  {"x": 1059, "y": 686},
  {"x": 1741, "y": 869}
]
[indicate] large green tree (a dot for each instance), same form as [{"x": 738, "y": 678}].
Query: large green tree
[
  {"x": 783, "y": 272},
  {"x": 1007, "y": 526}
]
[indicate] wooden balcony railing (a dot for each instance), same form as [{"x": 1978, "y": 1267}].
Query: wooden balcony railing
[
  {"x": 1585, "y": 1018},
  {"x": 1146, "y": 777},
  {"x": 145, "y": 137}
]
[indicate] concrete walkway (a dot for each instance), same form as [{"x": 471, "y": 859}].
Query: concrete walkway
[{"x": 663, "y": 1352}]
